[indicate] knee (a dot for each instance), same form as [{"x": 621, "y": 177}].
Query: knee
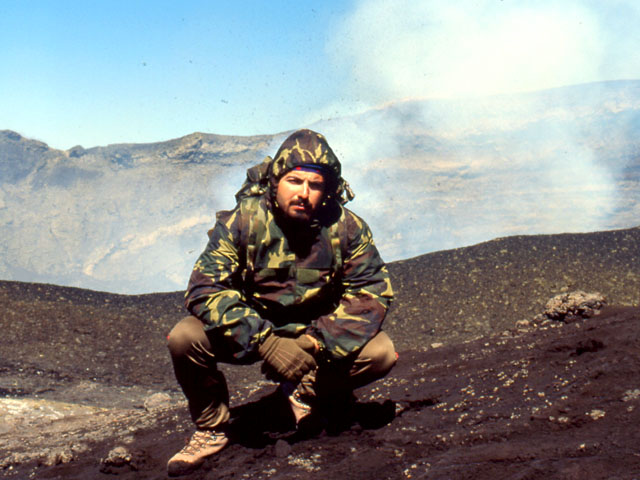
[
  {"x": 387, "y": 361},
  {"x": 382, "y": 354},
  {"x": 184, "y": 335}
]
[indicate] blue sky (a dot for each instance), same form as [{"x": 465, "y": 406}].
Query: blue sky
[{"x": 96, "y": 73}]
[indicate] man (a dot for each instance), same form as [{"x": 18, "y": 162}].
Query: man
[{"x": 290, "y": 278}]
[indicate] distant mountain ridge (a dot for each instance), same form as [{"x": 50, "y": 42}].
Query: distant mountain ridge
[
  {"x": 63, "y": 212},
  {"x": 428, "y": 176}
]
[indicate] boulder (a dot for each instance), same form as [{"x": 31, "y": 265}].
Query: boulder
[{"x": 568, "y": 307}]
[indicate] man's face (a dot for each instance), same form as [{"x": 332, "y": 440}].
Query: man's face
[{"x": 300, "y": 194}]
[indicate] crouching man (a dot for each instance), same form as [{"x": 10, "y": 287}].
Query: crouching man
[{"x": 289, "y": 278}]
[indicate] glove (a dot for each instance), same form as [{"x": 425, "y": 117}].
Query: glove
[
  {"x": 284, "y": 358},
  {"x": 308, "y": 343}
]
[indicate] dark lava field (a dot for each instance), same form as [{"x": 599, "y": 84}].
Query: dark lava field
[{"x": 484, "y": 388}]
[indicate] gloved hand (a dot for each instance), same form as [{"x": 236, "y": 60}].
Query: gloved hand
[
  {"x": 283, "y": 357},
  {"x": 308, "y": 343}
]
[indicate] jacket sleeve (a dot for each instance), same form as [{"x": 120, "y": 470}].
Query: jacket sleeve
[
  {"x": 366, "y": 297},
  {"x": 214, "y": 294}
]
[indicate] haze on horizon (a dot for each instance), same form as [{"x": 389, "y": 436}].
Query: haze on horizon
[{"x": 123, "y": 72}]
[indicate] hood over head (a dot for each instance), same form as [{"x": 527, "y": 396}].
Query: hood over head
[
  {"x": 308, "y": 149},
  {"x": 302, "y": 149}
]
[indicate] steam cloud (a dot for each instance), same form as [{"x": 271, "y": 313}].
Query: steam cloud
[
  {"x": 438, "y": 49},
  {"x": 465, "y": 58}
]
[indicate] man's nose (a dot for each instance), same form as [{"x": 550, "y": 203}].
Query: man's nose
[{"x": 304, "y": 192}]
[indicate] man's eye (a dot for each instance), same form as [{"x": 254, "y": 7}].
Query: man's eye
[{"x": 316, "y": 185}]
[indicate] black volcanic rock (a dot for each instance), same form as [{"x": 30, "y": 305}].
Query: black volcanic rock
[
  {"x": 460, "y": 294},
  {"x": 492, "y": 401},
  {"x": 443, "y": 297},
  {"x": 537, "y": 405}
]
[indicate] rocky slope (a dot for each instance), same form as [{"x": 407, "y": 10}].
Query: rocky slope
[
  {"x": 89, "y": 392},
  {"x": 460, "y": 294}
]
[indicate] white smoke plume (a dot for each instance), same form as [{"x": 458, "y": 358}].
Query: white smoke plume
[
  {"x": 464, "y": 60},
  {"x": 398, "y": 49}
]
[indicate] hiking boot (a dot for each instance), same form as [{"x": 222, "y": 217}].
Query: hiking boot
[
  {"x": 203, "y": 444},
  {"x": 299, "y": 407}
]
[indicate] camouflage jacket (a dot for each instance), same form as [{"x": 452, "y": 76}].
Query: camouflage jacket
[{"x": 244, "y": 288}]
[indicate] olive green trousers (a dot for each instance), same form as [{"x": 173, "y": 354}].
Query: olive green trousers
[{"x": 196, "y": 367}]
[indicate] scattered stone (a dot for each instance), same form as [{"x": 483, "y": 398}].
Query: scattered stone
[
  {"x": 631, "y": 395},
  {"x": 282, "y": 449},
  {"x": 118, "y": 456},
  {"x": 12, "y": 460},
  {"x": 589, "y": 345},
  {"x": 56, "y": 457},
  {"x": 569, "y": 307},
  {"x": 117, "y": 460},
  {"x": 308, "y": 464},
  {"x": 596, "y": 414},
  {"x": 157, "y": 401}
]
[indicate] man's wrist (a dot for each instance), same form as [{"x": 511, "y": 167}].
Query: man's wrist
[{"x": 266, "y": 344}]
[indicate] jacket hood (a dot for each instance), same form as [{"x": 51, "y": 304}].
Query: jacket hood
[
  {"x": 306, "y": 147},
  {"x": 303, "y": 147}
]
